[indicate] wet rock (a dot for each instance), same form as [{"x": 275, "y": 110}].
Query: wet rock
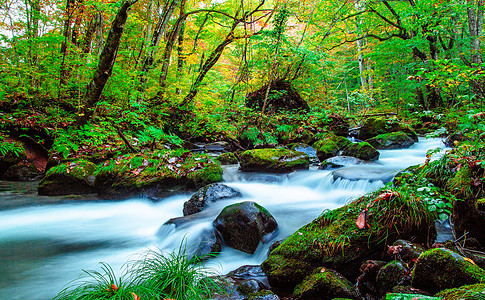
[
  {"x": 228, "y": 158},
  {"x": 308, "y": 150},
  {"x": 403, "y": 296},
  {"x": 244, "y": 283},
  {"x": 209, "y": 246},
  {"x": 405, "y": 250},
  {"x": 208, "y": 194},
  {"x": 341, "y": 161},
  {"x": 365, "y": 173},
  {"x": 325, "y": 284},
  {"x": 22, "y": 172},
  {"x": 333, "y": 239},
  {"x": 362, "y": 150},
  {"x": 250, "y": 272},
  {"x": 393, "y": 140},
  {"x": 263, "y": 295},
  {"x": 391, "y": 275},
  {"x": 71, "y": 178},
  {"x": 155, "y": 174},
  {"x": 438, "y": 269},
  {"x": 326, "y": 149},
  {"x": 11, "y": 158},
  {"x": 366, "y": 283},
  {"x": 468, "y": 292},
  {"x": 378, "y": 125},
  {"x": 244, "y": 225},
  {"x": 273, "y": 160}
]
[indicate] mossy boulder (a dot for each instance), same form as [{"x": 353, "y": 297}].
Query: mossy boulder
[
  {"x": 406, "y": 250},
  {"x": 155, "y": 174},
  {"x": 362, "y": 150},
  {"x": 330, "y": 145},
  {"x": 273, "y": 160},
  {"x": 263, "y": 295},
  {"x": 390, "y": 275},
  {"x": 468, "y": 292},
  {"x": 208, "y": 194},
  {"x": 379, "y": 125},
  {"x": 70, "y": 178},
  {"x": 438, "y": 269},
  {"x": 23, "y": 171},
  {"x": 334, "y": 241},
  {"x": 325, "y": 284},
  {"x": 227, "y": 158},
  {"x": 244, "y": 225},
  {"x": 393, "y": 140}
]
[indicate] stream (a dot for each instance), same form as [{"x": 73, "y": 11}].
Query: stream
[{"x": 45, "y": 242}]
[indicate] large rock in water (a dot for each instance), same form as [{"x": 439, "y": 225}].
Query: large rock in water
[
  {"x": 208, "y": 194},
  {"x": 334, "y": 241},
  {"x": 393, "y": 140},
  {"x": 71, "y": 178},
  {"x": 22, "y": 172},
  {"x": 281, "y": 97},
  {"x": 273, "y": 160},
  {"x": 244, "y": 225},
  {"x": 14, "y": 155},
  {"x": 361, "y": 150},
  {"x": 155, "y": 174},
  {"x": 378, "y": 125},
  {"x": 330, "y": 145},
  {"x": 438, "y": 269}
]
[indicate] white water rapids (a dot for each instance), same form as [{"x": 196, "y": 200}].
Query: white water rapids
[{"x": 45, "y": 242}]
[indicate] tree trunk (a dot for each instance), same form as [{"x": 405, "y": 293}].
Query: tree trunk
[
  {"x": 475, "y": 25},
  {"x": 64, "y": 73},
  {"x": 360, "y": 6},
  {"x": 181, "y": 59},
  {"x": 106, "y": 62}
]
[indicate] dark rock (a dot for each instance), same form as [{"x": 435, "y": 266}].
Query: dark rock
[
  {"x": 407, "y": 289},
  {"x": 250, "y": 272},
  {"x": 282, "y": 97},
  {"x": 274, "y": 245},
  {"x": 244, "y": 225},
  {"x": 22, "y": 172},
  {"x": 341, "y": 161},
  {"x": 12, "y": 158},
  {"x": 366, "y": 283},
  {"x": 378, "y": 125},
  {"x": 273, "y": 160},
  {"x": 393, "y": 140},
  {"x": 405, "y": 251},
  {"x": 208, "y": 194},
  {"x": 243, "y": 283},
  {"x": 325, "y": 284},
  {"x": 71, "y": 178},
  {"x": 391, "y": 275},
  {"x": 308, "y": 150},
  {"x": 467, "y": 292},
  {"x": 362, "y": 150},
  {"x": 326, "y": 149},
  {"x": 263, "y": 295},
  {"x": 438, "y": 269},
  {"x": 450, "y": 140},
  {"x": 209, "y": 246}
]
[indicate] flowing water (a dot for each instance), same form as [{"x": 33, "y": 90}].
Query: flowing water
[{"x": 45, "y": 242}]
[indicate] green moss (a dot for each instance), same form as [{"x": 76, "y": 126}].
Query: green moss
[
  {"x": 326, "y": 148},
  {"x": 379, "y": 125},
  {"x": 334, "y": 240},
  {"x": 439, "y": 269},
  {"x": 228, "y": 158},
  {"x": 263, "y": 294},
  {"x": 469, "y": 292},
  {"x": 390, "y": 276},
  {"x": 393, "y": 140},
  {"x": 273, "y": 160},
  {"x": 362, "y": 150},
  {"x": 400, "y": 296},
  {"x": 480, "y": 204},
  {"x": 325, "y": 284}
]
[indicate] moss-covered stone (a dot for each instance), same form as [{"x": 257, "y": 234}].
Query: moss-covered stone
[
  {"x": 22, "y": 172},
  {"x": 393, "y": 140},
  {"x": 273, "y": 160},
  {"x": 390, "y": 275},
  {"x": 156, "y": 174},
  {"x": 439, "y": 269},
  {"x": 263, "y": 295},
  {"x": 326, "y": 149},
  {"x": 325, "y": 284},
  {"x": 334, "y": 241},
  {"x": 362, "y": 150},
  {"x": 12, "y": 154},
  {"x": 71, "y": 178},
  {"x": 468, "y": 292},
  {"x": 227, "y": 158},
  {"x": 378, "y": 125},
  {"x": 480, "y": 204}
]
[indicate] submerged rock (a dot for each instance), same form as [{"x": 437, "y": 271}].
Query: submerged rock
[
  {"x": 438, "y": 269},
  {"x": 308, "y": 150},
  {"x": 208, "y": 194},
  {"x": 362, "y": 150},
  {"x": 244, "y": 225},
  {"x": 246, "y": 282},
  {"x": 273, "y": 160},
  {"x": 22, "y": 172},
  {"x": 71, "y": 178},
  {"x": 325, "y": 284},
  {"x": 155, "y": 174},
  {"x": 393, "y": 140},
  {"x": 365, "y": 173},
  {"x": 209, "y": 246},
  {"x": 334, "y": 241},
  {"x": 340, "y": 162}
]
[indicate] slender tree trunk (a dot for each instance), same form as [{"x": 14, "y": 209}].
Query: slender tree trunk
[
  {"x": 360, "y": 6},
  {"x": 64, "y": 73},
  {"x": 93, "y": 26},
  {"x": 99, "y": 40},
  {"x": 475, "y": 25},
  {"x": 181, "y": 59},
  {"x": 106, "y": 62}
]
